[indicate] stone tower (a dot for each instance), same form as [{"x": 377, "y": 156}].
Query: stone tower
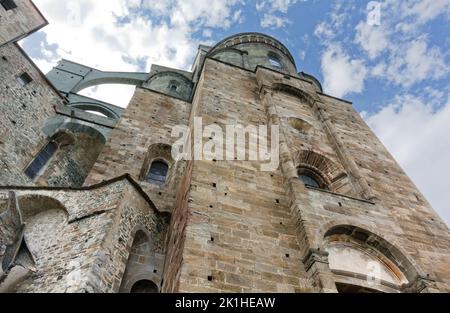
[{"x": 92, "y": 203}]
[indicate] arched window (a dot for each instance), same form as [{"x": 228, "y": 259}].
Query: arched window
[
  {"x": 274, "y": 61},
  {"x": 309, "y": 181},
  {"x": 144, "y": 286},
  {"x": 173, "y": 85},
  {"x": 158, "y": 172},
  {"x": 310, "y": 178},
  {"x": 41, "y": 160}
]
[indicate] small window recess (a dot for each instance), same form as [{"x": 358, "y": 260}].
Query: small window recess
[
  {"x": 24, "y": 79},
  {"x": 8, "y": 4}
]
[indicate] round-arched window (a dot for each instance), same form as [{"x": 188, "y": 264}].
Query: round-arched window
[
  {"x": 274, "y": 61},
  {"x": 158, "y": 173},
  {"x": 309, "y": 181},
  {"x": 174, "y": 85},
  {"x": 310, "y": 178}
]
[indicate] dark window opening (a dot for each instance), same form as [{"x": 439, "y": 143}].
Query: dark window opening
[
  {"x": 41, "y": 160},
  {"x": 24, "y": 79},
  {"x": 173, "y": 85},
  {"x": 309, "y": 181},
  {"x": 144, "y": 286},
  {"x": 275, "y": 61},
  {"x": 8, "y": 4},
  {"x": 158, "y": 173},
  {"x": 311, "y": 178}
]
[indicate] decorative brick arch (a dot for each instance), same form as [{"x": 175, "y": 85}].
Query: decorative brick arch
[
  {"x": 369, "y": 238},
  {"x": 328, "y": 170}
]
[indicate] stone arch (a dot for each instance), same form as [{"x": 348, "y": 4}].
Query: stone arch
[
  {"x": 144, "y": 286},
  {"x": 162, "y": 82},
  {"x": 275, "y": 60},
  {"x": 327, "y": 171},
  {"x": 300, "y": 125},
  {"x": 74, "y": 159},
  {"x": 230, "y": 55},
  {"x": 79, "y": 128},
  {"x": 158, "y": 152},
  {"x": 366, "y": 241},
  {"x": 292, "y": 90},
  {"x": 141, "y": 264},
  {"x": 46, "y": 155},
  {"x": 95, "y": 107},
  {"x": 33, "y": 204},
  {"x": 46, "y": 221},
  {"x": 70, "y": 77}
]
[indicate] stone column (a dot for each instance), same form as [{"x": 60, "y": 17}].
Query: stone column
[
  {"x": 346, "y": 158},
  {"x": 315, "y": 261}
]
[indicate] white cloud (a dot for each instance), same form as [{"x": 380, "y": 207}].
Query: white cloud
[
  {"x": 276, "y": 5},
  {"x": 417, "y": 135},
  {"x": 412, "y": 62},
  {"x": 273, "y": 21},
  {"x": 115, "y": 35},
  {"x": 323, "y": 31},
  {"x": 419, "y": 12},
  {"x": 397, "y": 51},
  {"x": 272, "y": 9},
  {"x": 342, "y": 74},
  {"x": 373, "y": 39}
]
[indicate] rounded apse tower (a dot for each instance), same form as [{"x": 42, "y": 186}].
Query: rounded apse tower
[{"x": 248, "y": 50}]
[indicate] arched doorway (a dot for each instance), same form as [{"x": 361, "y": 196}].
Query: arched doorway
[
  {"x": 363, "y": 262},
  {"x": 144, "y": 286},
  {"x": 143, "y": 272}
]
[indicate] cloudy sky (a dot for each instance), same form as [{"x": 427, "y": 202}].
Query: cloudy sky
[{"x": 394, "y": 68}]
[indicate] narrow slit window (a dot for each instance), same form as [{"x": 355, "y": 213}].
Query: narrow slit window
[
  {"x": 8, "y": 4},
  {"x": 41, "y": 160},
  {"x": 158, "y": 173}
]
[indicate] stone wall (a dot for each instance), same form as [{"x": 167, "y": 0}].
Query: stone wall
[
  {"x": 24, "y": 112},
  {"x": 148, "y": 121},
  {"x": 247, "y": 230},
  {"x": 239, "y": 234},
  {"x": 80, "y": 240},
  {"x": 72, "y": 162},
  {"x": 19, "y": 22}
]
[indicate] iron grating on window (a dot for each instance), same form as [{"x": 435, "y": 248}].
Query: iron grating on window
[
  {"x": 158, "y": 172},
  {"x": 41, "y": 160},
  {"x": 8, "y": 4}
]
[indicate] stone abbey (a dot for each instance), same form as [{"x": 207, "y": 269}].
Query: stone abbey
[{"x": 96, "y": 203}]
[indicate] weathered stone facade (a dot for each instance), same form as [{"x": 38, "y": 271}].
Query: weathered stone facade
[
  {"x": 20, "y": 21},
  {"x": 94, "y": 203}
]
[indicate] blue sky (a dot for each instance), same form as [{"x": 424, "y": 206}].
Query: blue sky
[{"x": 395, "y": 70}]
